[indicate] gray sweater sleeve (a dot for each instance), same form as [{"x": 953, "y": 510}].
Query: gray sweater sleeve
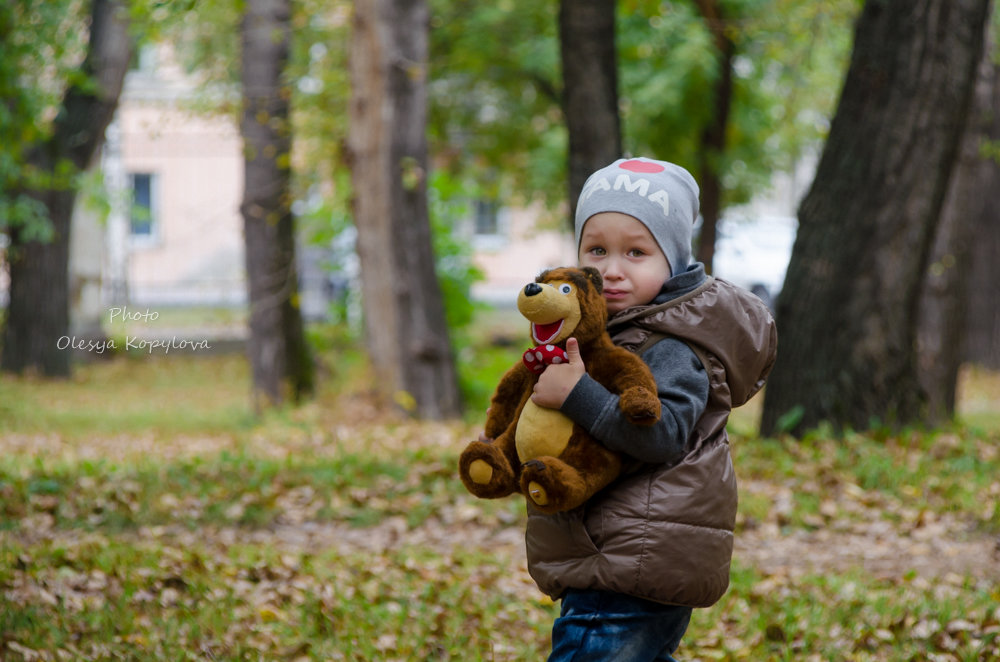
[{"x": 682, "y": 384}]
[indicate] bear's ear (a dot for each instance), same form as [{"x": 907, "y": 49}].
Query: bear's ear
[{"x": 594, "y": 276}]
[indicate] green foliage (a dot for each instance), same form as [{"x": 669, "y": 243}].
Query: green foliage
[
  {"x": 495, "y": 115},
  {"x": 495, "y": 103},
  {"x": 449, "y": 205},
  {"x": 206, "y": 35},
  {"x": 42, "y": 48},
  {"x": 480, "y": 367},
  {"x": 789, "y": 58},
  {"x": 321, "y": 93},
  {"x": 450, "y": 201},
  {"x": 93, "y": 194},
  {"x": 28, "y": 214},
  {"x": 667, "y": 64},
  {"x": 990, "y": 149}
]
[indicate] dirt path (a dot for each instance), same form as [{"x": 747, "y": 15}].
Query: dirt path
[
  {"x": 906, "y": 543},
  {"x": 944, "y": 548},
  {"x": 882, "y": 552}
]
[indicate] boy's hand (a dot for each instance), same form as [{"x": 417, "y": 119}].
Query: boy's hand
[{"x": 558, "y": 379}]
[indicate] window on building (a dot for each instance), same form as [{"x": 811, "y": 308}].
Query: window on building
[
  {"x": 489, "y": 224},
  {"x": 143, "y": 216},
  {"x": 486, "y": 217}
]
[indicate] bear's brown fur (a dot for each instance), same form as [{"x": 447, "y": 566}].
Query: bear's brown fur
[{"x": 540, "y": 452}]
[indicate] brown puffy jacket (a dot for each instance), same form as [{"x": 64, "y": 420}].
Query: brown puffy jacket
[{"x": 665, "y": 532}]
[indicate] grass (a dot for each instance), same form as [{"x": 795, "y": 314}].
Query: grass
[
  {"x": 145, "y": 514},
  {"x": 137, "y": 601},
  {"x": 132, "y": 395}
]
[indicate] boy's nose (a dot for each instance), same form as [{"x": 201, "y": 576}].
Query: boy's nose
[{"x": 612, "y": 270}]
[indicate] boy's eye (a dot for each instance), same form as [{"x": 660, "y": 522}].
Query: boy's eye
[
  {"x": 635, "y": 252},
  {"x": 597, "y": 250}
]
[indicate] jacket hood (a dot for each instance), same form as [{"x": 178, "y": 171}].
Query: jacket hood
[{"x": 726, "y": 321}]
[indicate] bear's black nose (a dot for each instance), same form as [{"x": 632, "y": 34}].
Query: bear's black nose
[{"x": 531, "y": 289}]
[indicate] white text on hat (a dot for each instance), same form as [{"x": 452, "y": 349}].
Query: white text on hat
[{"x": 640, "y": 187}]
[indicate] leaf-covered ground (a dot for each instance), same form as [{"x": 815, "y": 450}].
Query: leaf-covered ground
[{"x": 336, "y": 532}]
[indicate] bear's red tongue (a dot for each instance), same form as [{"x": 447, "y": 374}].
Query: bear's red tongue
[{"x": 546, "y": 332}]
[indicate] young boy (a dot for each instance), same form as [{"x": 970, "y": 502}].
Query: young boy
[{"x": 631, "y": 564}]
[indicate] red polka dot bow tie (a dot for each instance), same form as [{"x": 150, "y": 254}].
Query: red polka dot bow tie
[{"x": 537, "y": 358}]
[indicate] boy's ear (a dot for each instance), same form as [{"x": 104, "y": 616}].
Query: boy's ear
[{"x": 594, "y": 276}]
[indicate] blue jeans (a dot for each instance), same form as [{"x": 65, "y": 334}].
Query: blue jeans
[{"x": 599, "y": 626}]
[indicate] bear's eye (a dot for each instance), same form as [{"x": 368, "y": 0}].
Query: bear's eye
[{"x": 565, "y": 288}]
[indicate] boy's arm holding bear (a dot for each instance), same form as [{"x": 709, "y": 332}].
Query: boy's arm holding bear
[{"x": 682, "y": 387}]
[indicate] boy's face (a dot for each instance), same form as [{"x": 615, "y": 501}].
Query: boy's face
[{"x": 629, "y": 259}]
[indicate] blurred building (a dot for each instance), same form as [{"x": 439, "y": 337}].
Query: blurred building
[
  {"x": 175, "y": 178},
  {"x": 174, "y": 235}
]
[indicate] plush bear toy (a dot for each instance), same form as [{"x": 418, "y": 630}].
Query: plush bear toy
[{"x": 539, "y": 451}]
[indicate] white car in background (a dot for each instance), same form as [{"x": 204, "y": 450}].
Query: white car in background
[{"x": 753, "y": 252}]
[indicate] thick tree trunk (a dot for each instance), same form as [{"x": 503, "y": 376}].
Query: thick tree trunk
[
  {"x": 278, "y": 353},
  {"x": 849, "y": 311},
  {"x": 590, "y": 89},
  {"x": 38, "y": 312},
  {"x": 982, "y": 344},
  {"x": 404, "y": 312},
  {"x": 713, "y": 138},
  {"x": 945, "y": 299}
]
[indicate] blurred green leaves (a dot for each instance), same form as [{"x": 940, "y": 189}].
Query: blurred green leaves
[
  {"x": 40, "y": 54},
  {"x": 789, "y": 60},
  {"x": 495, "y": 117},
  {"x": 496, "y": 128}
]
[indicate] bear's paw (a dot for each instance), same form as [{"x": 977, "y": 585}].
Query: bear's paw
[
  {"x": 480, "y": 472},
  {"x": 640, "y": 405}
]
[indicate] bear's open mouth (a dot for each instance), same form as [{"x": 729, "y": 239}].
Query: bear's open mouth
[{"x": 544, "y": 333}]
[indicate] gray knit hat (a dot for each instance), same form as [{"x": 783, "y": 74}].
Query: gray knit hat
[{"x": 663, "y": 196}]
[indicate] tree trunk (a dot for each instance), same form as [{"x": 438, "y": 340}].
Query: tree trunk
[
  {"x": 590, "y": 89},
  {"x": 713, "y": 137},
  {"x": 404, "y": 312},
  {"x": 277, "y": 349},
  {"x": 945, "y": 298},
  {"x": 38, "y": 310},
  {"x": 982, "y": 344},
  {"x": 849, "y": 311},
  {"x": 37, "y": 325}
]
